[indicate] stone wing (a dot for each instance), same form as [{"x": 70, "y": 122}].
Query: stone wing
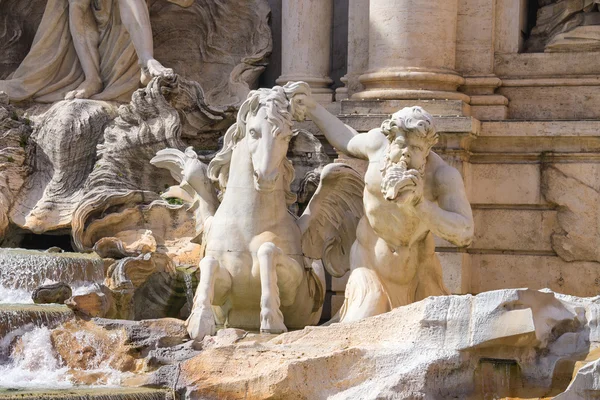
[
  {"x": 194, "y": 187},
  {"x": 329, "y": 222}
]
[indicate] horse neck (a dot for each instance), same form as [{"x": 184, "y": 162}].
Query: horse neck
[{"x": 240, "y": 186}]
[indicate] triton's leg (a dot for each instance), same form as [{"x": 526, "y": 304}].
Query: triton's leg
[
  {"x": 85, "y": 40},
  {"x": 135, "y": 17},
  {"x": 201, "y": 321},
  {"x": 271, "y": 318}
]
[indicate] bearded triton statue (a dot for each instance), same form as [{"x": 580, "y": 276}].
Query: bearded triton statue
[
  {"x": 410, "y": 194},
  {"x": 566, "y": 25},
  {"x": 88, "y": 49}
]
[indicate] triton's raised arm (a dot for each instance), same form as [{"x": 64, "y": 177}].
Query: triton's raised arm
[{"x": 344, "y": 138}]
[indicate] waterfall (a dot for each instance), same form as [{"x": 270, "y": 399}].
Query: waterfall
[
  {"x": 13, "y": 317},
  {"x": 34, "y": 364},
  {"x": 21, "y": 271},
  {"x": 27, "y": 356}
]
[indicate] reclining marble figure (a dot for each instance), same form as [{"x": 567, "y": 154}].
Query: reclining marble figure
[
  {"x": 410, "y": 194},
  {"x": 88, "y": 49},
  {"x": 262, "y": 267}
]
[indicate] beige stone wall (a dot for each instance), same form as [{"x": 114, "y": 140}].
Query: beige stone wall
[
  {"x": 533, "y": 176},
  {"x": 534, "y": 194}
]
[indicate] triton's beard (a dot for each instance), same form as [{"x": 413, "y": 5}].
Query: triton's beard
[{"x": 391, "y": 184}]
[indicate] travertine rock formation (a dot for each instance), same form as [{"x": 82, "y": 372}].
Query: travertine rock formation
[
  {"x": 515, "y": 343},
  {"x": 14, "y": 137},
  {"x": 52, "y": 293},
  {"x": 139, "y": 284},
  {"x": 74, "y": 182},
  {"x": 585, "y": 384},
  {"x": 91, "y": 350},
  {"x": 221, "y": 44},
  {"x": 509, "y": 343},
  {"x": 97, "y": 301},
  {"x": 123, "y": 176},
  {"x": 224, "y": 46},
  {"x": 63, "y": 155}
]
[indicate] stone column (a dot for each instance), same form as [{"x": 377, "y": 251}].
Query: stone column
[
  {"x": 412, "y": 46},
  {"x": 306, "y": 45},
  {"x": 358, "y": 48}
]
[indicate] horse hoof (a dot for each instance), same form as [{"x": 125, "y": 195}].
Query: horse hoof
[
  {"x": 201, "y": 323},
  {"x": 273, "y": 331},
  {"x": 272, "y": 322}
]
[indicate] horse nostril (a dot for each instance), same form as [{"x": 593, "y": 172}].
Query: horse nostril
[{"x": 255, "y": 173}]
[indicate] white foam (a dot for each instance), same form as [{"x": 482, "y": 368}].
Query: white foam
[
  {"x": 40, "y": 367},
  {"x": 15, "y": 296}
]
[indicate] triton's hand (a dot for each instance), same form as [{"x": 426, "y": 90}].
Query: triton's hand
[
  {"x": 417, "y": 189},
  {"x": 302, "y": 106},
  {"x": 410, "y": 189}
]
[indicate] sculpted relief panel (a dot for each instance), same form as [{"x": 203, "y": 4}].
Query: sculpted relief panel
[
  {"x": 575, "y": 189},
  {"x": 566, "y": 25},
  {"x": 102, "y": 49}
]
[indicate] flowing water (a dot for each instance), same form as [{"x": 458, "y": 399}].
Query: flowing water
[
  {"x": 34, "y": 364},
  {"x": 21, "y": 271},
  {"x": 28, "y": 360},
  {"x": 16, "y": 316}
]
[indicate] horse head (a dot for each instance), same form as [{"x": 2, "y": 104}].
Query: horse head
[
  {"x": 268, "y": 134},
  {"x": 264, "y": 122}
]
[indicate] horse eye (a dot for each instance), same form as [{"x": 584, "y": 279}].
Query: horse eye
[{"x": 253, "y": 132}]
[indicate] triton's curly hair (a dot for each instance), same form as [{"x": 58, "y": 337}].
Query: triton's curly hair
[{"x": 411, "y": 121}]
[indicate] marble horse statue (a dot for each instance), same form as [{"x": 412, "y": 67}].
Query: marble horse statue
[{"x": 262, "y": 267}]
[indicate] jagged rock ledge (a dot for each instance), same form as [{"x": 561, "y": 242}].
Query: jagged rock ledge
[
  {"x": 507, "y": 343},
  {"x": 515, "y": 343}
]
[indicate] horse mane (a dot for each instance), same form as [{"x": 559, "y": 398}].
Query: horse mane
[{"x": 277, "y": 105}]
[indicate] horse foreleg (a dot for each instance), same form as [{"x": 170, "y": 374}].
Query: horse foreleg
[
  {"x": 271, "y": 317},
  {"x": 201, "y": 321}
]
